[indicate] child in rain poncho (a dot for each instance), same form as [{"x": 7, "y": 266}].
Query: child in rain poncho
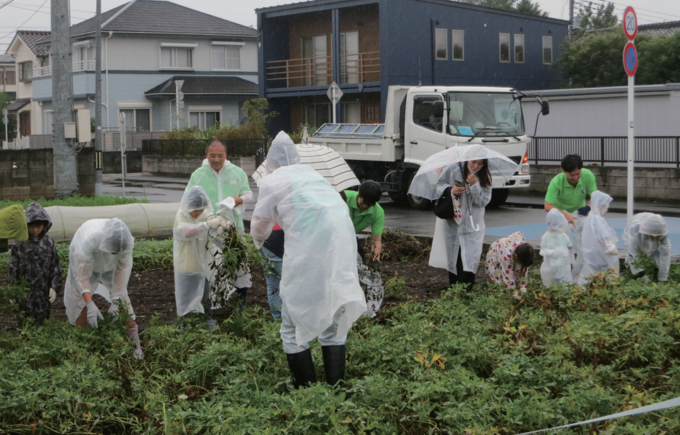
[
  {"x": 576, "y": 234},
  {"x": 319, "y": 289},
  {"x": 555, "y": 246},
  {"x": 648, "y": 233},
  {"x": 100, "y": 262},
  {"x": 598, "y": 243},
  {"x": 191, "y": 257},
  {"x": 36, "y": 261}
]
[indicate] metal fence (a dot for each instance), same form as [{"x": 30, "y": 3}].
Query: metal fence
[
  {"x": 606, "y": 149},
  {"x": 196, "y": 147}
]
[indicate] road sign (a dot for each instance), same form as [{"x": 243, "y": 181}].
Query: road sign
[
  {"x": 630, "y": 59},
  {"x": 630, "y": 24},
  {"x": 334, "y": 93},
  {"x": 5, "y": 112}
]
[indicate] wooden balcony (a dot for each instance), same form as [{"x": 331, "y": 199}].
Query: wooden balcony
[{"x": 318, "y": 71}]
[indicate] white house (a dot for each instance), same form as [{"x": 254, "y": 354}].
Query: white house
[{"x": 146, "y": 46}]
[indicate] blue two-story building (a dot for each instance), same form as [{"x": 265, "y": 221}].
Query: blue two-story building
[{"x": 365, "y": 46}]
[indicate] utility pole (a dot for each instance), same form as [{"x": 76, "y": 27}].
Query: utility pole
[
  {"x": 99, "y": 157},
  {"x": 65, "y": 165},
  {"x": 571, "y": 17}
]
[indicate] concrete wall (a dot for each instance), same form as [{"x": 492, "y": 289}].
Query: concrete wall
[
  {"x": 650, "y": 183},
  {"x": 175, "y": 166},
  {"x": 112, "y": 163},
  {"x": 28, "y": 174}
]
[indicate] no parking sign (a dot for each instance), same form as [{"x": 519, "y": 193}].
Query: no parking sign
[
  {"x": 630, "y": 59},
  {"x": 630, "y": 64}
]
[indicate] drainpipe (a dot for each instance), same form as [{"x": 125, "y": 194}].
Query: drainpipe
[
  {"x": 108, "y": 118},
  {"x": 170, "y": 111},
  {"x": 4, "y": 79}
]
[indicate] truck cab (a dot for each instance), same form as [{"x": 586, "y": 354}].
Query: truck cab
[{"x": 421, "y": 121}]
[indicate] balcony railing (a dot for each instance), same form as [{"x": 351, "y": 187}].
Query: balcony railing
[
  {"x": 318, "y": 71},
  {"x": 84, "y": 65}
]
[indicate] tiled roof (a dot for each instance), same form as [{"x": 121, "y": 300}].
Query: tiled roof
[
  {"x": 18, "y": 104},
  {"x": 31, "y": 39},
  {"x": 205, "y": 85},
  {"x": 164, "y": 18},
  {"x": 660, "y": 29},
  {"x": 6, "y": 58}
]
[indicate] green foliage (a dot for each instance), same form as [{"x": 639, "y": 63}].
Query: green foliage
[
  {"x": 11, "y": 294},
  {"x": 521, "y": 6},
  {"x": 296, "y": 136},
  {"x": 603, "y": 17},
  {"x": 11, "y": 119},
  {"x": 75, "y": 201},
  {"x": 395, "y": 286},
  {"x": 485, "y": 364},
  {"x": 595, "y": 60}
]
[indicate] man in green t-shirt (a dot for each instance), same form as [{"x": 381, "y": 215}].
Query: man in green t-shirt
[
  {"x": 365, "y": 212},
  {"x": 567, "y": 191}
]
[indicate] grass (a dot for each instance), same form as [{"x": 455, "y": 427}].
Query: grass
[
  {"x": 75, "y": 201},
  {"x": 481, "y": 365}
]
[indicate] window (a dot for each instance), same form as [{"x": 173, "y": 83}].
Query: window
[
  {"x": 177, "y": 57},
  {"x": 316, "y": 65},
  {"x": 485, "y": 114},
  {"x": 458, "y": 44},
  {"x": 317, "y": 114},
  {"x": 349, "y": 57},
  {"x": 226, "y": 56},
  {"x": 204, "y": 120},
  {"x": 440, "y": 44},
  {"x": 547, "y": 49},
  {"x": 504, "y": 47},
  {"x": 428, "y": 111},
  {"x": 9, "y": 79},
  {"x": 25, "y": 71},
  {"x": 48, "y": 122},
  {"x": 351, "y": 112},
  {"x": 137, "y": 119},
  {"x": 519, "y": 48}
]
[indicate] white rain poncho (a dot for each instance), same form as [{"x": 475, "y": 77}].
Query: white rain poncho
[
  {"x": 598, "y": 242},
  {"x": 230, "y": 181},
  {"x": 100, "y": 260},
  {"x": 575, "y": 233},
  {"x": 648, "y": 233},
  {"x": 319, "y": 273},
  {"x": 555, "y": 246},
  {"x": 190, "y": 257},
  {"x": 449, "y": 237}
]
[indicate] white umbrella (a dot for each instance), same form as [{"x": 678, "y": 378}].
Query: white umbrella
[
  {"x": 429, "y": 183},
  {"x": 323, "y": 160}
]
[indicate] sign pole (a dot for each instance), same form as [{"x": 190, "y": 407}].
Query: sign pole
[
  {"x": 630, "y": 65},
  {"x": 334, "y": 105},
  {"x": 334, "y": 94}
]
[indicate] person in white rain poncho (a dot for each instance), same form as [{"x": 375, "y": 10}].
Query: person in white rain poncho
[
  {"x": 648, "y": 233},
  {"x": 320, "y": 291},
  {"x": 100, "y": 262},
  {"x": 457, "y": 247},
  {"x": 228, "y": 189},
  {"x": 598, "y": 242},
  {"x": 575, "y": 232},
  {"x": 190, "y": 255},
  {"x": 555, "y": 247}
]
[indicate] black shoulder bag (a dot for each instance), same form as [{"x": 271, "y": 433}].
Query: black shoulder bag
[{"x": 443, "y": 207}]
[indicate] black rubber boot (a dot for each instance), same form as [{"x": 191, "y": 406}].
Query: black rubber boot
[
  {"x": 242, "y": 294},
  {"x": 302, "y": 368},
  {"x": 334, "y": 363}
]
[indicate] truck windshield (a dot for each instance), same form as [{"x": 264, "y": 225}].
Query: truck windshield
[{"x": 484, "y": 114}]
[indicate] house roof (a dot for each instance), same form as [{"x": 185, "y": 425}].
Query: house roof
[
  {"x": 31, "y": 39},
  {"x": 6, "y": 58},
  {"x": 18, "y": 104},
  {"x": 156, "y": 17},
  {"x": 327, "y": 4},
  {"x": 204, "y": 86},
  {"x": 660, "y": 29}
]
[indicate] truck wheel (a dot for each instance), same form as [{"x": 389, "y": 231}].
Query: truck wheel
[
  {"x": 415, "y": 202},
  {"x": 498, "y": 198}
]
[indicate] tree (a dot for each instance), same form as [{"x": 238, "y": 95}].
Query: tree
[
  {"x": 602, "y": 18},
  {"x": 596, "y": 60},
  {"x": 529, "y": 8},
  {"x": 12, "y": 119}
]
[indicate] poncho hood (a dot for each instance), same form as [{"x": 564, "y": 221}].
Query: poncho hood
[{"x": 36, "y": 213}]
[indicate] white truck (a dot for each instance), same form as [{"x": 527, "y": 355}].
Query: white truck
[{"x": 420, "y": 121}]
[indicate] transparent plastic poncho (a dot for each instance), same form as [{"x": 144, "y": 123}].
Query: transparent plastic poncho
[
  {"x": 191, "y": 258},
  {"x": 319, "y": 273},
  {"x": 100, "y": 260},
  {"x": 598, "y": 242},
  {"x": 555, "y": 250},
  {"x": 648, "y": 233}
]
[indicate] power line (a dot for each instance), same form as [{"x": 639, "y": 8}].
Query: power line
[
  {"x": 44, "y": 12},
  {"x": 6, "y": 3},
  {"x": 32, "y": 15},
  {"x": 33, "y": 5},
  {"x": 647, "y": 13}
]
